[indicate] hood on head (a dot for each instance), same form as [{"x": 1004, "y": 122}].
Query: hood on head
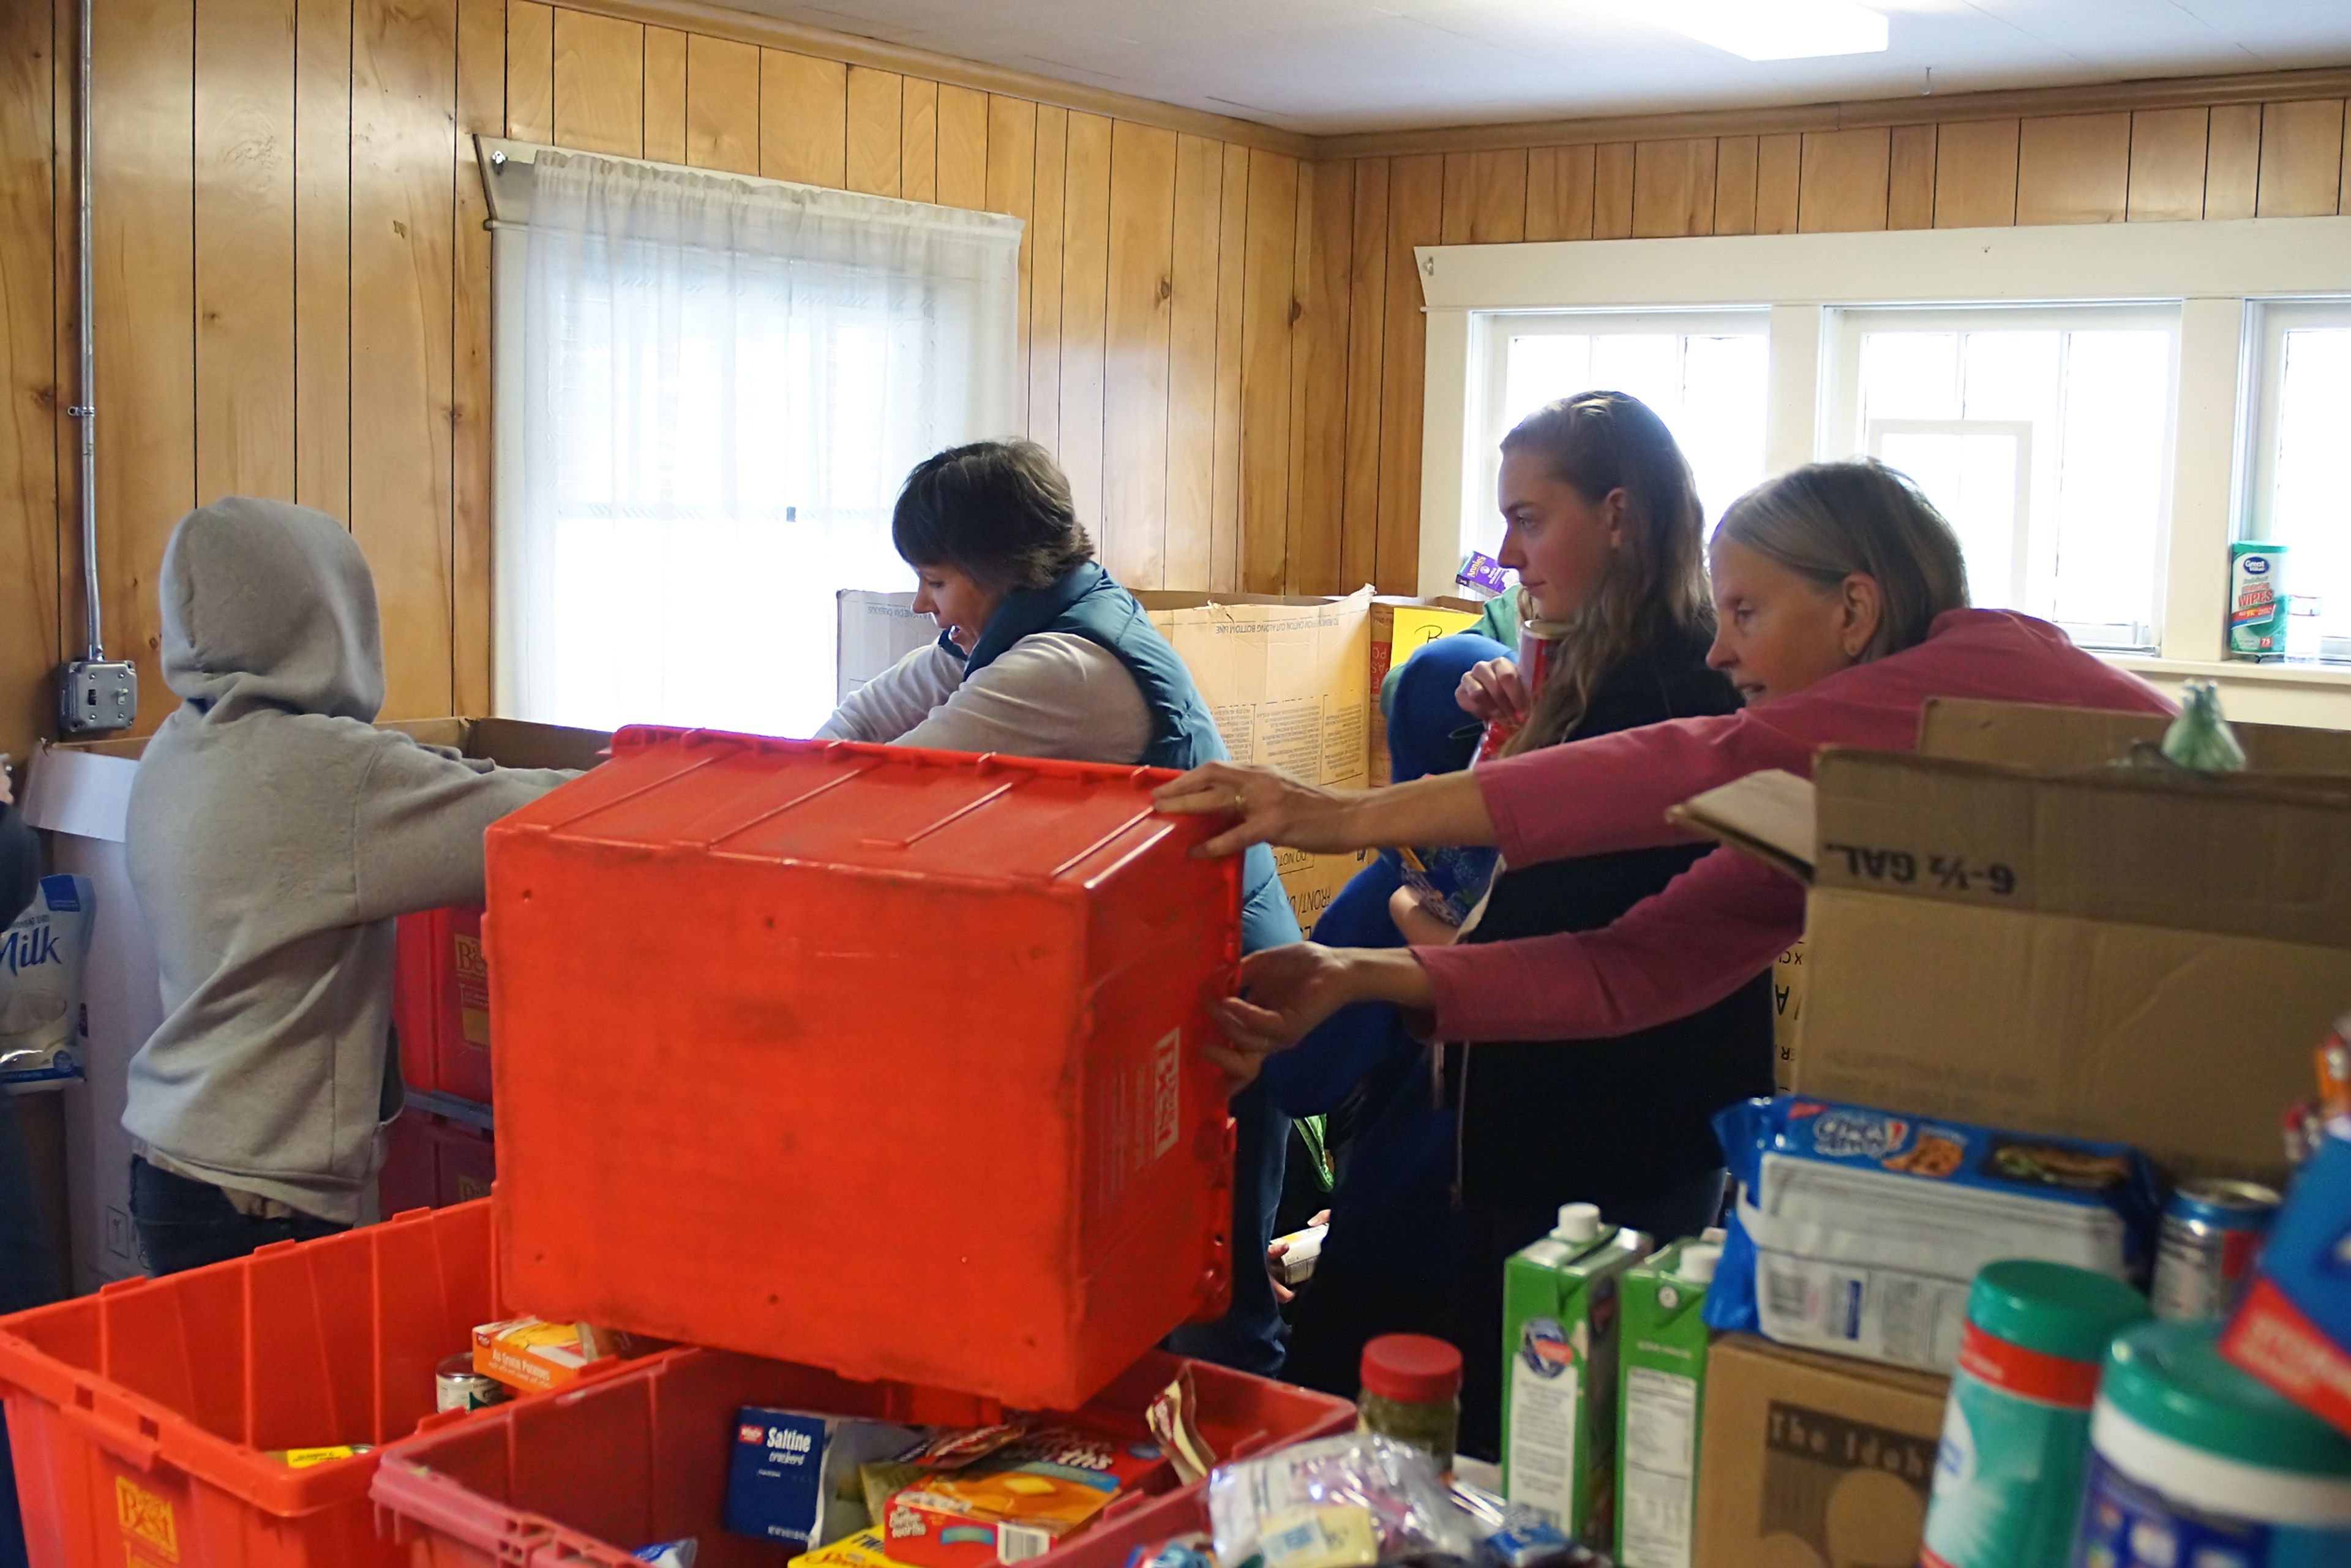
[{"x": 270, "y": 605}]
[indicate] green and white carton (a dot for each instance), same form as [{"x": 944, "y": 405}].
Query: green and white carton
[
  {"x": 1560, "y": 1321},
  {"x": 1661, "y": 1394}
]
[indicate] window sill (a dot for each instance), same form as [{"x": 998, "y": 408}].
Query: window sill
[{"x": 2308, "y": 672}]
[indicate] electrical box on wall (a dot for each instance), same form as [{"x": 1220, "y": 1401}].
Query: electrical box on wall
[{"x": 95, "y": 696}]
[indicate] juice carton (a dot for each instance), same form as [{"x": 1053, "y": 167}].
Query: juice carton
[
  {"x": 1560, "y": 1321},
  {"x": 793, "y": 1477},
  {"x": 1661, "y": 1396}
]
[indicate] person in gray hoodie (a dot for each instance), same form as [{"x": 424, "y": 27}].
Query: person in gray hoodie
[{"x": 273, "y": 836}]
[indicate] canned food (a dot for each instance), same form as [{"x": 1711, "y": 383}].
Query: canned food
[
  {"x": 2211, "y": 1229},
  {"x": 457, "y": 1386}
]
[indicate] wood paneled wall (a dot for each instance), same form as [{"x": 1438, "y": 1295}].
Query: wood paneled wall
[{"x": 1220, "y": 334}]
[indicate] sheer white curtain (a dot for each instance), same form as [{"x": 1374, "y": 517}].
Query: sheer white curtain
[{"x": 720, "y": 385}]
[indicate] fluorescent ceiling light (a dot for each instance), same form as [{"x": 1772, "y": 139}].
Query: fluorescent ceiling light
[{"x": 1776, "y": 29}]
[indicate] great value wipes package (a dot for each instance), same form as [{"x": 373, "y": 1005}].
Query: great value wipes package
[
  {"x": 1859, "y": 1231},
  {"x": 792, "y": 1477}
]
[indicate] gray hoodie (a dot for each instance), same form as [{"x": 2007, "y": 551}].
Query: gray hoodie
[{"x": 274, "y": 835}]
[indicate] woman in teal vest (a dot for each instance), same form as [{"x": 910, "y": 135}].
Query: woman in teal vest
[{"x": 1040, "y": 653}]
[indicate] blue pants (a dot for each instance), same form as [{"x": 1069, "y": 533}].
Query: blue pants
[
  {"x": 184, "y": 1224},
  {"x": 1249, "y": 1336}
]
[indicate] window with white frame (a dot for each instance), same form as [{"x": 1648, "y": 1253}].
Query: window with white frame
[
  {"x": 709, "y": 392},
  {"x": 1702, "y": 372},
  {"x": 2298, "y": 491},
  {"x": 2042, "y": 432}
]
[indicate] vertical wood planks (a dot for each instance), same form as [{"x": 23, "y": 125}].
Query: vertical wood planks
[
  {"x": 803, "y": 118},
  {"x": 1673, "y": 188},
  {"x": 1044, "y": 244},
  {"x": 2302, "y": 159},
  {"x": 1267, "y": 306},
  {"x": 530, "y": 70},
  {"x": 1359, "y": 525},
  {"x": 2073, "y": 169},
  {"x": 1416, "y": 195},
  {"x": 1975, "y": 174},
  {"x": 1734, "y": 185},
  {"x": 481, "y": 63},
  {"x": 1134, "y": 535},
  {"x": 1012, "y": 190},
  {"x": 1192, "y": 362},
  {"x": 876, "y": 123},
  {"x": 1558, "y": 193},
  {"x": 722, "y": 105},
  {"x": 600, "y": 84},
  {"x": 665, "y": 95},
  {"x": 1318, "y": 408},
  {"x": 1844, "y": 181},
  {"x": 31, "y": 424},
  {"x": 1779, "y": 182},
  {"x": 2166, "y": 164},
  {"x": 2232, "y": 160},
  {"x": 1232, "y": 269},
  {"x": 142, "y": 171},
  {"x": 244, "y": 70},
  {"x": 403, "y": 142},
  {"x": 1085, "y": 283},
  {"x": 322, "y": 250},
  {"x": 1612, "y": 190},
  {"x": 963, "y": 147},
  {"x": 1910, "y": 178},
  {"x": 1485, "y": 197},
  {"x": 918, "y": 140}
]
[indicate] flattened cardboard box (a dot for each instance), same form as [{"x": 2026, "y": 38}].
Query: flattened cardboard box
[
  {"x": 1285, "y": 679},
  {"x": 1813, "y": 1461},
  {"x": 1400, "y": 628},
  {"x": 2054, "y": 945}
]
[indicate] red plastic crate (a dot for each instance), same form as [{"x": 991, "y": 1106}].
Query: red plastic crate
[
  {"x": 142, "y": 1417},
  {"x": 441, "y": 1004},
  {"x": 642, "y": 1456},
  {"x": 432, "y": 1161},
  {"x": 865, "y": 1058}
]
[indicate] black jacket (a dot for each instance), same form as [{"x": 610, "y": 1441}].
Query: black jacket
[{"x": 1594, "y": 1120}]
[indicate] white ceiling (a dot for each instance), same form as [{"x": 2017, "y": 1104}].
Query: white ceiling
[{"x": 1326, "y": 66}]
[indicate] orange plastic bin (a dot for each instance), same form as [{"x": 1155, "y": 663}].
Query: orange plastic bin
[
  {"x": 441, "y": 1003},
  {"x": 431, "y": 1161},
  {"x": 142, "y": 1418},
  {"x": 641, "y": 1457},
  {"x": 865, "y": 1058}
]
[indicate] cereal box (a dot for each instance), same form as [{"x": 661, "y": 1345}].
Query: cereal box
[{"x": 531, "y": 1355}]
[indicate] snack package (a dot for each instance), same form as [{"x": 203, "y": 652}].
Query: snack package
[
  {"x": 1328, "y": 1502},
  {"x": 1170, "y": 1420},
  {"x": 44, "y": 1027},
  {"x": 669, "y": 1553},
  {"x": 2293, "y": 1329},
  {"x": 531, "y": 1355},
  {"x": 1449, "y": 882},
  {"x": 794, "y": 1477},
  {"x": 1038, "y": 1488},
  {"x": 907, "y": 1535},
  {"x": 1859, "y": 1231},
  {"x": 304, "y": 1458}
]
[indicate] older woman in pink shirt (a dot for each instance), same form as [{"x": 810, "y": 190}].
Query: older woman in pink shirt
[{"x": 1834, "y": 631}]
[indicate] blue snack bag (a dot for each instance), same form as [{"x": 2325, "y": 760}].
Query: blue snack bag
[{"x": 1859, "y": 1231}]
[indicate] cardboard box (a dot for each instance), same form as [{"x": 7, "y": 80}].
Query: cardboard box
[
  {"x": 2003, "y": 929},
  {"x": 1787, "y": 978},
  {"x": 531, "y": 1355},
  {"x": 1813, "y": 1461},
  {"x": 1401, "y": 627},
  {"x": 1283, "y": 678}
]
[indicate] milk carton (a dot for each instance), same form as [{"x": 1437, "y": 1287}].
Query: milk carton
[
  {"x": 1560, "y": 1319},
  {"x": 1661, "y": 1396}
]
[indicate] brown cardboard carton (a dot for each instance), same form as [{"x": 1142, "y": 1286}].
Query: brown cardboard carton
[
  {"x": 2047, "y": 942},
  {"x": 1813, "y": 1461},
  {"x": 1399, "y": 627},
  {"x": 1788, "y": 978}
]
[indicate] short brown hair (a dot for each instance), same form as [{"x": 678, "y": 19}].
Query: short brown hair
[
  {"x": 998, "y": 510},
  {"x": 1829, "y": 521}
]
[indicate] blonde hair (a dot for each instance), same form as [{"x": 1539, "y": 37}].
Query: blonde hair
[
  {"x": 1829, "y": 521},
  {"x": 1598, "y": 443}
]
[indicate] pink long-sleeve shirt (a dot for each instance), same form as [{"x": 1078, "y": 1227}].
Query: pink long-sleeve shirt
[{"x": 1725, "y": 919}]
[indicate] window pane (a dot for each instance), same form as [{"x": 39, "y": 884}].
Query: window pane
[
  {"x": 2310, "y": 507},
  {"x": 1543, "y": 368},
  {"x": 2097, "y": 402}
]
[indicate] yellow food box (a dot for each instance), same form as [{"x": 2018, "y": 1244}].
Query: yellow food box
[{"x": 531, "y": 1355}]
